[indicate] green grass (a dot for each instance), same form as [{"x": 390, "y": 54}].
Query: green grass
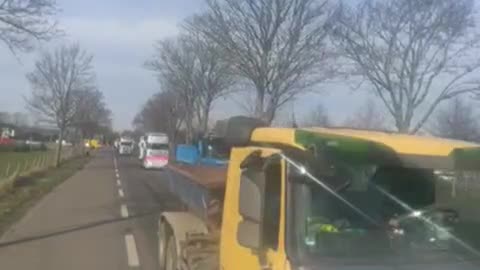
[
  {"x": 27, "y": 191},
  {"x": 14, "y": 159}
]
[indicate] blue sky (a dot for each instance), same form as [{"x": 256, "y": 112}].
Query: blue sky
[{"x": 120, "y": 34}]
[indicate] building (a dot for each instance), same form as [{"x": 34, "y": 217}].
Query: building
[{"x": 7, "y": 130}]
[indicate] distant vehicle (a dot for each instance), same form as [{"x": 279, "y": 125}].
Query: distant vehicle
[
  {"x": 92, "y": 144},
  {"x": 64, "y": 143},
  {"x": 156, "y": 150},
  {"x": 30, "y": 142},
  {"x": 126, "y": 146}
]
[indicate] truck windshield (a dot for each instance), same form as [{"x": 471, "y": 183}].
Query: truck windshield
[
  {"x": 157, "y": 146},
  {"x": 361, "y": 212}
]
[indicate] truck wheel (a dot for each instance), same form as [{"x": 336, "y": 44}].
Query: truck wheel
[
  {"x": 171, "y": 254},
  {"x": 162, "y": 244}
]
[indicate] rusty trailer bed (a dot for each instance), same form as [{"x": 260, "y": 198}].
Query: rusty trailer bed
[
  {"x": 212, "y": 177},
  {"x": 200, "y": 188}
]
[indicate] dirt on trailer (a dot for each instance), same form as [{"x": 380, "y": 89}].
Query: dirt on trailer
[{"x": 211, "y": 177}]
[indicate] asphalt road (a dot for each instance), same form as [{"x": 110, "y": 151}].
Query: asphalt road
[{"x": 104, "y": 217}]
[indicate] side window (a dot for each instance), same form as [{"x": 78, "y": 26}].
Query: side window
[{"x": 273, "y": 186}]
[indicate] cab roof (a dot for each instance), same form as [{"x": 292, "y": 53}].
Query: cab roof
[{"x": 399, "y": 143}]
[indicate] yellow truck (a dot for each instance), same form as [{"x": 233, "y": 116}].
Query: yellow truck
[
  {"x": 321, "y": 198},
  {"x": 92, "y": 144}
]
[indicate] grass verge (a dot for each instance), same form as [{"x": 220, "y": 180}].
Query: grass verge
[
  {"x": 27, "y": 191},
  {"x": 14, "y": 159}
]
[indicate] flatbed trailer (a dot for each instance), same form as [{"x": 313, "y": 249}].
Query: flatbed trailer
[{"x": 201, "y": 190}]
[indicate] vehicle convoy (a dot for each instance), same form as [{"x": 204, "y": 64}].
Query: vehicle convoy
[
  {"x": 126, "y": 146},
  {"x": 320, "y": 198},
  {"x": 155, "y": 152}
]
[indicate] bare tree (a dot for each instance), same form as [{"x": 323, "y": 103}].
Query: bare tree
[
  {"x": 457, "y": 121},
  {"x": 416, "y": 54},
  {"x": 23, "y": 21},
  {"x": 194, "y": 68},
  {"x": 276, "y": 45},
  {"x": 57, "y": 81},
  {"x": 317, "y": 117},
  {"x": 368, "y": 116},
  {"x": 212, "y": 77},
  {"x": 163, "y": 112},
  {"x": 92, "y": 115},
  {"x": 174, "y": 65}
]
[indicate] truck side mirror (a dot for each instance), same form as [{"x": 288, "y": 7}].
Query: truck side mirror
[{"x": 251, "y": 205}]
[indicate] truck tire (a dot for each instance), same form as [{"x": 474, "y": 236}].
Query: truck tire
[
  {"x": 162, "y": 244},
  {"x": 171, "y": 253}
]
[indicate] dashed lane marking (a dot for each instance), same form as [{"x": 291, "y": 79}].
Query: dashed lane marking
[
  {"x": 132, "y": 254},
  {"x": 120, "y": 193},
  {"x": 119, "y": 183},
  {"x": 124, "y": 211}
]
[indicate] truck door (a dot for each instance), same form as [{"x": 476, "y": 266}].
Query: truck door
[{"x": 256, "y": 240}]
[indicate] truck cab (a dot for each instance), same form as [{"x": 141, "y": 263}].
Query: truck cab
[
  {"x": 126, "y": 146},
  {"x": 328, "y": 199},
  {"x": 156, "y": 150}
]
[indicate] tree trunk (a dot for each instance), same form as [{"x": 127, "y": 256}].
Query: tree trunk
[
  {"x": 204, "y": 124},
  {"x": 58, "y": 156},
  {"x": 189, "y": 131},
  {"x": 269, "y": 114},
  {"x": 172, "y": 149},
  {"x": 189, "y": 114},
  {"x": 402, "y": 126},
  {"x": 259, "y": 103}
]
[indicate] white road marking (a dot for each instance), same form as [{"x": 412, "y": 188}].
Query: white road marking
[
  {"x": 120, "y": 193},
  {"x": 118, "y": 175},
  {"x": 124, "y": 211},
  {"x": 132, "y": 254},
  {"x": 119, "y": 183}
]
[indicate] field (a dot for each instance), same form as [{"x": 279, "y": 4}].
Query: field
[
  {"x": 13, "y": 164},
  {"x": 11, "y": 161}
]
